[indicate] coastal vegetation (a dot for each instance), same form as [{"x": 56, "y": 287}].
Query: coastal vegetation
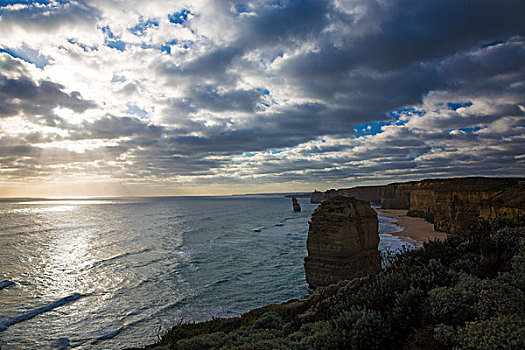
[{"x": 464, "y": 293}]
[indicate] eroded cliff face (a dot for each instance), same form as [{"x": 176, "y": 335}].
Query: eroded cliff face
[
  {"x": 507, "y": 203},
  {"x": 365, "y": 193},
  {"x": 453, "y": 205},
  {"x": 342, "y": 242},
  {"x": 392, "y": 196},
  {"x": 396, "y": 195}
]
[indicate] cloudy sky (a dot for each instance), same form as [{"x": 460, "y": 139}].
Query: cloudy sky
[{"x": 133, "y": 97}]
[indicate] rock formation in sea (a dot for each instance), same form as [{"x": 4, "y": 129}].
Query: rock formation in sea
[
  {"x": 453, "y": 205},
  {"x": 316, "y": 197},
  {"x": 295, "y": 204},
  {"x": 342, "y": 242}
]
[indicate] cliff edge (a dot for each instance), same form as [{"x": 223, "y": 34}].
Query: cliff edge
[
  {"x": 316, "y": 197},
  {"x": 453, "y": 205}
]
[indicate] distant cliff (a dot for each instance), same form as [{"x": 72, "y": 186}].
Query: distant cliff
[
  {"x": 392, "y": 196},
  {"x": 453, "y": 205},
  {"x": 316, "y": 197},
  {"x": 509, "y": 203}
]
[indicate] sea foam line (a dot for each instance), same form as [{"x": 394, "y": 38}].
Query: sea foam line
[{"x": 28, "y": 315}]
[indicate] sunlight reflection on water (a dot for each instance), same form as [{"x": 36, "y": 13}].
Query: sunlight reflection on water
[
  {"x": 57, "y": 208},
  {"x": 118, "y": 270},
  {"x": 67, "y": 202}
]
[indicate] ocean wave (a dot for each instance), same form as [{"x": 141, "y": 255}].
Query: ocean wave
[
  {"x": 115, "y": 332},
  {"x": 28, "y": 315},
  {"x": 61, "y": 344},
  {"x": 385, "y": 227},
  {"x": 5, "y": 284},
  {"x": 109, "y": 335},
  {"x": 119, "y": 256}
]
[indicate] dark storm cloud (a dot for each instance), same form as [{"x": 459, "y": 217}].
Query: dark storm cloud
[
  {"x": 112, "y": 127},
  {"x": 412, "y": 52},
  {"x": 284, "y": 23},
  {"x": 289, "y": 128},
  {"x": 209, "y": 98},
  {"x": 210, "y": 66},
  {"x": 20, "y": 95},
  {"x": 404, "y": 58},
  {"x": 411, "y": 31}
]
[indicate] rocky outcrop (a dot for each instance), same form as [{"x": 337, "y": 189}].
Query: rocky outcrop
[
  {"x": 342, "y": 242},
  {"x": 316, "y": 197},
  {"x": 295, "y": 204}
]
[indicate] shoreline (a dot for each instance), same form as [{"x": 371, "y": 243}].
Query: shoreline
[{"x": 415, "y": 228}]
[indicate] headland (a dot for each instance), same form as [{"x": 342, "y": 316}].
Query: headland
[{"x": 464, "y": 290}]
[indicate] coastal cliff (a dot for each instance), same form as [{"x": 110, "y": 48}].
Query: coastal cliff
[
  {"x": 392, "y": 196},
  {"x": 507, "y": 203},
  {"x": 316, "y": 197},
  {"x": 453, "y": 205},
  {"x": 342, "y": 242},
  {"x": 411, "y": 304}
]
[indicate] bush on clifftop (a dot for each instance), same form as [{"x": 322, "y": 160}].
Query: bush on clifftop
[{"x": 463, "y": 293}]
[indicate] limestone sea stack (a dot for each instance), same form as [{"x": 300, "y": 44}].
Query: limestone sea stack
[
  {"x": 342, "y": 242},
  {"x": 316, "y": 197},
  {"x": 295, "y": 203}
]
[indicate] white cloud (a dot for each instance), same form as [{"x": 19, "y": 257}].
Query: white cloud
[{"x": 264, "y": 92}]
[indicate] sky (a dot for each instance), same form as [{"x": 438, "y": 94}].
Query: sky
[{"x": 203, "y": 97}]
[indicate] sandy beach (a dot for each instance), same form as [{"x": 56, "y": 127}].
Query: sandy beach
[{"x": 415, "y": 228}]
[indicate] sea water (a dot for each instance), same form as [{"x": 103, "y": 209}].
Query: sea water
[{"x": 117, "y": 273}]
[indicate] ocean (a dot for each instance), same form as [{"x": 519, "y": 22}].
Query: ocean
[{"x": 117, "y": 273}]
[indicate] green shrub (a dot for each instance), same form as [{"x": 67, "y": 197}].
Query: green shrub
[
  {"x": 445, "y": 335},
  {"x": 317, "y": 335},
  {"x": 408, "y": 309},
  {"x": 203, "y": 341},
  {"x": 500, "y": 332},
  {"x": 452, "y": 305},
  {"x": 361, "y": 328},
  {"x": 270, "y": 320}
]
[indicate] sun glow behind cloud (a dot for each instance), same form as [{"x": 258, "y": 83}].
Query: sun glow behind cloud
[{"x": 162, "y": 97}]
